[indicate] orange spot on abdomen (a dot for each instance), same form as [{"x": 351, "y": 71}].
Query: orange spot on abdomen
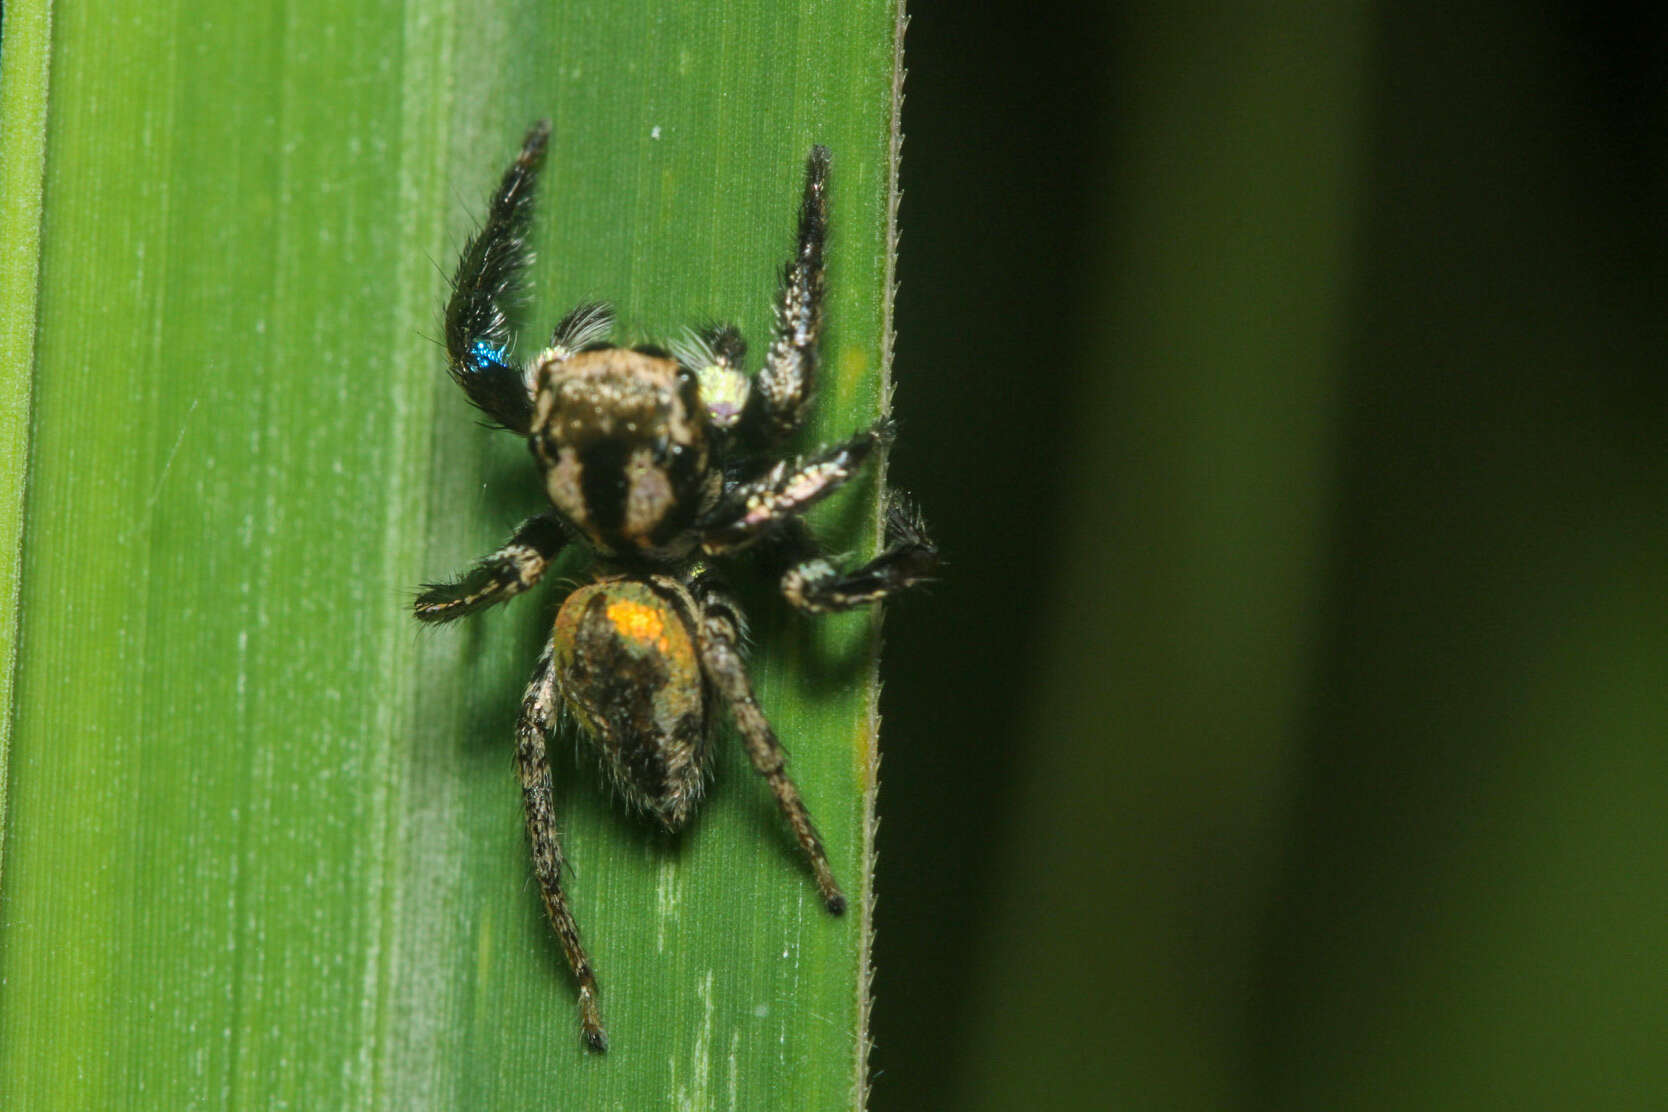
[{"x": 637, "y": 622}]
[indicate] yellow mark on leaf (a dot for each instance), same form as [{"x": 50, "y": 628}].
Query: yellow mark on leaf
[{"x": 852, "y": 368}]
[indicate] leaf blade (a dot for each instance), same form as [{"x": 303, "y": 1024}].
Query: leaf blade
[{"x": 265, "y": 844}]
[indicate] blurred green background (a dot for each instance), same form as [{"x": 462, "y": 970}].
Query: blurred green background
[{"x": 1286, "y": 385}]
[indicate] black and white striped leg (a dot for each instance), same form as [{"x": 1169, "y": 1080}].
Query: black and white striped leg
[
  {"x": 782, "y": 390},
  {"x": 751, "y": 509},
  {"x": 498, "y": 577},
  {"x": 812, "y": 583},
  {"x": 487, "y": 279},
  {"x": 721, "y": 660},
  {"x": 538, "y": 712}
]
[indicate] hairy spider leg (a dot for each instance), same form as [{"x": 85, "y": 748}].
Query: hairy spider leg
[
  {"x": 749, "y": 510},
  {"x": 496, "y": 578},
  {"x": 811, "y": 582},
  {"x": 488, "y": 278},
  {"x": 782, "y": 391},
  {"x": 725, "y": 343},
  {"x": 586, "y": 324},
  {"x": 721, "y": 660},
  {"x": 538, "y": 713}
]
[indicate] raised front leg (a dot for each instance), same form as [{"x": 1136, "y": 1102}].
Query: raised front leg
[
  {"x": 488, "y": 278},
  {"x": 782, "y": 390}
]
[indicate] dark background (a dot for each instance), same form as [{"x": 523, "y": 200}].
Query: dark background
[{"x": 1288, "y": 731}]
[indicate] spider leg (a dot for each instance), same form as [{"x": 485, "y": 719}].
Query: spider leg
[
  {"x": 710, "y": 345},
  {"x": 497, "y": 578},
  {"x": 538, "y": 712},
  {"x": 488, "y": 277},
  {"x": 586, "y": 324},
  {"x": 750, "y": 509},
  {"x": 714, "y": 353},
  {"x": 726, "y": 343},
  {"x": 811, "y": 582},
  {"x": 721, "y": 660},
  {"x": 782, "y": 391}
]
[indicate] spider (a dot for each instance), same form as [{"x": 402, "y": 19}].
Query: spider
[{"x": 658, "y": 462}]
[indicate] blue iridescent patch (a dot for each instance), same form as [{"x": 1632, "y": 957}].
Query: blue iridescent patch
[{"x": 484, "y": 355}]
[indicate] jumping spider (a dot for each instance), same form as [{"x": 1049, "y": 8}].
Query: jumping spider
[{"x": 657, "y": 462}]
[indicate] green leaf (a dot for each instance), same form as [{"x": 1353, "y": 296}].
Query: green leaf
[
  {"x": 263, "y": 844},
  {"x": 23, "y": 97}
]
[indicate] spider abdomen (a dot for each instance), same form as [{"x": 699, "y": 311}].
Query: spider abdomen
[{"x": 628, "y": 670}]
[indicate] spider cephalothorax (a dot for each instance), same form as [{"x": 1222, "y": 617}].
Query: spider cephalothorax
[
  {"x": 660, "y": 464},
  {"x": 622, "y": 437}
]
